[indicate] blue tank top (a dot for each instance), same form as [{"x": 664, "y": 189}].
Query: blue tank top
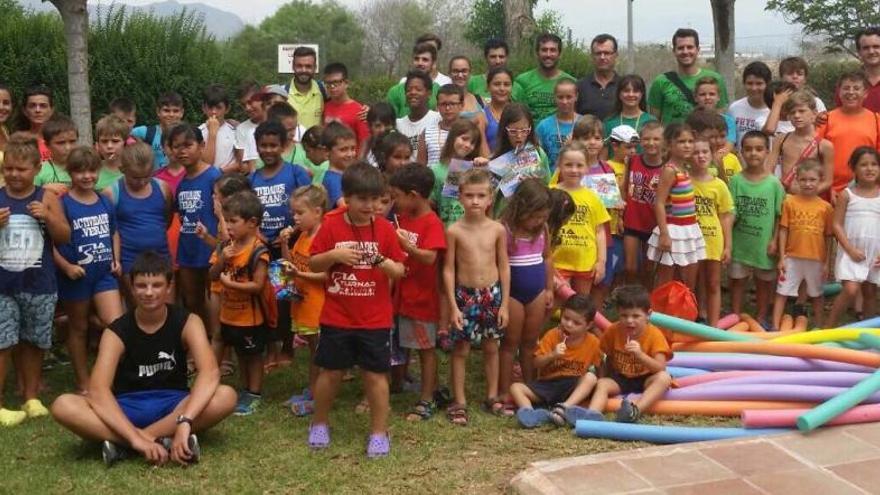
[
  {"x": 25, "y": 249},
  {"x": 274, "y": 193},
  {"x": 491, "y": 128},
  {"x": 91, "y": 234},
  {"x": 195, "y": 203},
  {"x": 141, "y": 223}
]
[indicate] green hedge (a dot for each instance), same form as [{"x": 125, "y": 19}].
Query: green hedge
[{"x": 824, "y": 75}]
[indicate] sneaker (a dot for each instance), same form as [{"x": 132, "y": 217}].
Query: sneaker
[
  {"x": 11, "y": 418},
  {"x": 112, "y": 453},
  {"x": 530, "y": 418},
  {"x": 34, "y": 409},
  {"x": 247, "y": 403},
  {"x": 192, "y": 443},
  {"x": 628, "y": 412},
  {"x": 306, "y": 395}
]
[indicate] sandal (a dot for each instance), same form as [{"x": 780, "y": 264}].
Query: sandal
[
  {"x": 378, "y": 445},
  {"x": 493, "y": 405},
  {"x": 227, "y": 368},
  {"x": 509, "y": 409},
  {"x": 319, "y": 436},
  {"x": 557, "y": 415},
  {"x": 362, "y": 407},
  {"x": 421, "y": 411},
  {"x": 457, "y": 414}
]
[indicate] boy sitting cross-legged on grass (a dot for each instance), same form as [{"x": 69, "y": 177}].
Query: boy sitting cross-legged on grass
[
  {"x": 563, "y": 360},
  {"x": 636, "y": 355}
]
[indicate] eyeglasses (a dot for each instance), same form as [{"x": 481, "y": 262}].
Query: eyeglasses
[
  {"x": 448, "y": 104},
  {"x": 333, "y": 84},
  {"x": 518, "y": 132},
  {"x": 460, "y": 71}
]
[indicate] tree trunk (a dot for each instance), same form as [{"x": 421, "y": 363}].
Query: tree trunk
[
  {"x": 723, "y": 18},
  {"x": 519, "y": 24},
  {"x": 75, "y": 16}
]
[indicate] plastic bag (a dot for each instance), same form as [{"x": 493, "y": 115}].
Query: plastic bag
[{"x": 674, "y": 298}]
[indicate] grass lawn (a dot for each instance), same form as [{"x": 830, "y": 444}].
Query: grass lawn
[{"x": 267, "y": 452}]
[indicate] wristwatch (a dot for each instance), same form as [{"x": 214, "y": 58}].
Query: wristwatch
[
  {"x": 378, "y": 260},
  {"x": 184, "y": 419}
]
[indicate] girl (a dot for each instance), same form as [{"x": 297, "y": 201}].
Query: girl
[
  {"x": 460, "y": 72},
  {"x": 37, "y": 108},
  {"x": 87, "y": 264},
  {"x": 500, "y": 83},
  {"x": 381, "y": 119},
  {"x": 855, "y": 227},
  {"x": 639, "y": 190},
  {"x": 5, "y": 114},
  {"x": 463, "y": 143},
  {"x": 393, "y": 151},
  {"x": 315, "y": 161},
  {"x": 630, "y": 106},
  {"x": 714, "y": 206},
  {"x": 531, "y": 280},
  {"x": 518, "y": 135},
  {"x": 677, "y": 240},
  {"x": 142, "y": 209},
  {"x": 31, "y": 221},
  {"x": 307, "y": 205}
]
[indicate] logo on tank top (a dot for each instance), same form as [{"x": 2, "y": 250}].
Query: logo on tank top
[
  {"x": 21, "y": 244},
  {"x": 167, "y": 362}
]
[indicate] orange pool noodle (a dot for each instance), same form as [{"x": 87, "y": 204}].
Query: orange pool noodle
[{"x": 805, "y": 351}]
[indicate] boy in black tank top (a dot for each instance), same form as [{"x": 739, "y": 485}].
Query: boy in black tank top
[{"x": 138, "y": 396}]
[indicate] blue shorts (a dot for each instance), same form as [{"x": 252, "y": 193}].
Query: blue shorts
[
  {"x": 95, "y": 282},
  {"x": 527, "y": 282},
  {"x": 613, "y": 260},
  {"x": 26, "y": 317},
  {"x": 148, "y": 406}
]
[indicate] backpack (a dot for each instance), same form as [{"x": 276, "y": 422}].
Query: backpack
[
  {"x": 321, "y": 88},
  {"x": 150, "y": 136},
  {"x": 266, "y": 300},
  {"x": 675, "y": 79}
]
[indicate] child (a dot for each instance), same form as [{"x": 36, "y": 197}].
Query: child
[
  {"x": 360, "y": 253},
  {"x": 380, "y": 119},
  {"x": 635, "y": 357},
  {"x": 392, "y": 153},
  {"x": 418, "y": 86},
  {"x": 757, "y": 199},
  {"x": 88, "y": 263},
  {"x": 710, "y": 125},
  {"x": 463, "y": 143},
  {"x": 287, "y": 116},
  {"x": 564, "y": 359},
  {"x": 341, "y": 145},
  {"x": 630, "y": 106},
  {"x": 677, "y": 241},
  {"x": 476, "y": 278},
  {"x": 60, "y": 135},
  {"x": 640, "y": 189},
  {"x": 714, "y": 208},
  {"x": 142, "y": 207},
  {"x": 110, "y": 135},
  {"x": 554, "y": 131},
  {"x": 706, "y": 92},
  {"x": 801, "y": 144},
  {"x": 531, "y": 277},
  {"x": 450, "y": 101},
  {"x": 30, "y": 222},
  {"x": 417, "y": 299},
  {"x": 580, "y": 256},
  {"x": 250, "y": 97},
  {"x": 194, "y": 203},
  {"x": 241, "y": 267},
  {"x": 793, "y": 71},
  {"x": 126, "y": 110},
  {"x": 805, "y": 229},
  {"x": 315, "y": 161},
  {"x": 169, "y": 111},
  {"x": 339, "y": 106},
  {"x": 751, "y": 109},
  {"x": 855, "y": 224},
  {"x": 218, "y": 132},
  {"x": 307, "y": 205}
]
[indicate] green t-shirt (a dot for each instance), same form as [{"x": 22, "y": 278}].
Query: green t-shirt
[
  {"x": 537, "y": 92},
  {"x": 106, "y": 177},
  {"x": 397, "y": 99},
  {"x": 296, "y": 156},
  {"x": 477, "y": 85},
  {"x": 758, "y": 206},
  {"x": 635, "y": 122},
  {"x": 52, "y": 174},
  {"x": 673, "y": 106},
  {"x": 448, "y": 209}
]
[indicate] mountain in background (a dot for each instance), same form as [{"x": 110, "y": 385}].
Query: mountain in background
[{"x": 219, "y": 23}]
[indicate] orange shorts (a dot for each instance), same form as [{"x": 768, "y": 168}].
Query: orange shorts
[{"x": 572, "y": 275}]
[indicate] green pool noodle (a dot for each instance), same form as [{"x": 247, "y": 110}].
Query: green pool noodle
[
  {"x": 704, "y": 332},
  {"x": 831, "y": 289}
]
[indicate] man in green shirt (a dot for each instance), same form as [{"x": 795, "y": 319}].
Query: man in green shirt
[
  {"x": 495, "y": 51},
  {"x": 305, "y": 93},
  {"x": 671, "y": 97},
  {"x": 539, "y": 83},
  {"x": 424, "y": 58}
]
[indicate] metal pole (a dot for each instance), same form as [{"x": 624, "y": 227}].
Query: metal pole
[{"x": 630, "y": 45}]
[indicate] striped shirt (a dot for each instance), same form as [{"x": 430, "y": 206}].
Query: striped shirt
[
  {"x": 435, "y": 138},
  {"x": 525, "y": 252},
  {"x": 680, "y": 207}
]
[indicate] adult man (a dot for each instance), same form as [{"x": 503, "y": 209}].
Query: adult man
[
  {"x": 597, "y": 91},
  {"x": 305, "y": 93},
  {"x": 538, "y": 84},
  {"x": 868, "y": 47},
  {"x": 495, "y": 51},
  {"x": 671, "y": 97},
  {"x": 340, "y": 106},
  {"x": 138, "y": 395},
  {"x": 424, "y": 57},
  {"x": 439, "y": 78}
]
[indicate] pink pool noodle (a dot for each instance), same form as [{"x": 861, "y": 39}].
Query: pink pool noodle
[
  {"x": 819, "y": 378},
  {"x": 601, "y": 321},
  {"x": 763, "y": 392},
  {"x": 762, "y": 363},
  {"x": 688, "y": 381},
  {"x": 787, "y": 418},
  {"x": 727, "y": 321}
]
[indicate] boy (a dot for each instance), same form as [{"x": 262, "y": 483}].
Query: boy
[
  {"x": 636, "y": 355},
  {"x": 623, "y": 142},
  {"x": 555, "y": 130},
  {"x": 757, "y": 196},
  {"x": 450, "y": 101},
  {"x": 805, "y": 230},
  {"x": 219, "y": 133},
  {"x": 419, "y": 117},
  {"x": 242, "y": 267},
  {"x": 250, "y": 98},
  {"x": 110, "y": 135},
  {"x": 341, "y": 145},
  {"x": 793, "y": 71},
  {"x": 125, "y": 109},
  {"x": 707, "y": 97},
  {"x": 563, "y": 360},
  {"x": 709, "y": 125},
  {"x": 169, "y": 110},
  {"x": 802, "y": 143},
  {"x": 421, "y": 237},
  {"x": 424, "y": 58},
  {"x": 747, "y": 111},
  {"x": 340, "y": 107},
  {"x": 361, "y": 254},
  {"x": 476, "y": 278},
  {"x": 60, "y": 135}
]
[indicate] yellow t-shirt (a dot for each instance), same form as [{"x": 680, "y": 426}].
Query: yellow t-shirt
[
  {"x": 809, "y": 222},
  {"x": 622, "y": 362},
  {"x": 731, "y": 165},
  {"x": 577, "y": 358},
  {"x": 616, "y": 224},
  {"x": 712, "y": 198},
  {"x": 577, "y": 250}
]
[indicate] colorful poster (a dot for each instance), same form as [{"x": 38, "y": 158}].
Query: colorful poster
[
  {"x": 456, "y": 168},
  {"x": 605, "y": 186},
  {"x": 514, "y": 166}
]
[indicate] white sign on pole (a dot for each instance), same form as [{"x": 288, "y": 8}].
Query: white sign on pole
[{"x": 285, "y": 56}]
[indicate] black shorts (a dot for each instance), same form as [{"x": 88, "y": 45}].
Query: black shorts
[
  {"x": 247, "y": 341},
  {"x": 643, "y": 236},
  {"x": 554, "y": 391},
  {"x": 342, "y": 348},
  {"x": 629, "y": 385}
]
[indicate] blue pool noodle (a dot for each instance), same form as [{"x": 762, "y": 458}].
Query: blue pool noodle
[{"x": 663, "y": 434}]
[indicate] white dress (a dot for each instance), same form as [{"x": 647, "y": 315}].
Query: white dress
[{"x": 863, "y": 232}]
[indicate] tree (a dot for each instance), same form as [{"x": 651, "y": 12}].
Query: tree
[
  {"x": 519, "y": 23},
  {"x": 484, "y": 22},
  {"x": 75, "y": 17},
  {"x": 723, "y": 19},
  {"x": 390, "y": 28},
  {"x": 835, "y": 20}
]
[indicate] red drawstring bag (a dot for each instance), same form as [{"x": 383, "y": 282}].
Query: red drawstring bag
[{"x": 674, "y": 298}]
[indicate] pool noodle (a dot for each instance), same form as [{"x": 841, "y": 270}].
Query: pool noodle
[
  {"x": 763, "y": 363},
  {"x": 860, "y": 358},
  {"x": 696, "y": 329},
  {"x": 727, "y": 321},
  {"x": 679, "y": 372},
  {"x": 713, "y": 376},
  {"x": 662, "y": 434},
  {"x": 822, "y": 378},
  {"x": 787, "y": 418},
  {"x": 762, "y": 392},
  {"x": 817, "y": 336},
  {"x": 709, "y": 408}
]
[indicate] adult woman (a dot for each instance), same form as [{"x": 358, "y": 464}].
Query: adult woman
[
  {"x": 6, "y": 108},
  {"x": 500, "y": 83},
  {"x": 37, "y": 108}
]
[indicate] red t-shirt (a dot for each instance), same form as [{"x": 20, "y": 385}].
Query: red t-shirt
[
  {"x": 347, "y": 113},
  {"x": 417, "y": 295},
  {"x": 640, "y": 196},
  {"x": 359, "y": 296}
]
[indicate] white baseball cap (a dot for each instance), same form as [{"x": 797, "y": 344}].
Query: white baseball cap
[{"x": 624, "y": 134}]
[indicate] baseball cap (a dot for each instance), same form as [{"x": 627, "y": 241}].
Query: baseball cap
[{"x": 624, "y": 134}]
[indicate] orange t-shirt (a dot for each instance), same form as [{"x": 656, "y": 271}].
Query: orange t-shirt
[
  {"x": 239, "y": 308},
  {"x": 847, "y": 132},
  {"x": 809, "y": 222},
  {"x": 622, "y": 362},
  {"x": 577, "y": 358},
  {"x": 307, "y": 311}
]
